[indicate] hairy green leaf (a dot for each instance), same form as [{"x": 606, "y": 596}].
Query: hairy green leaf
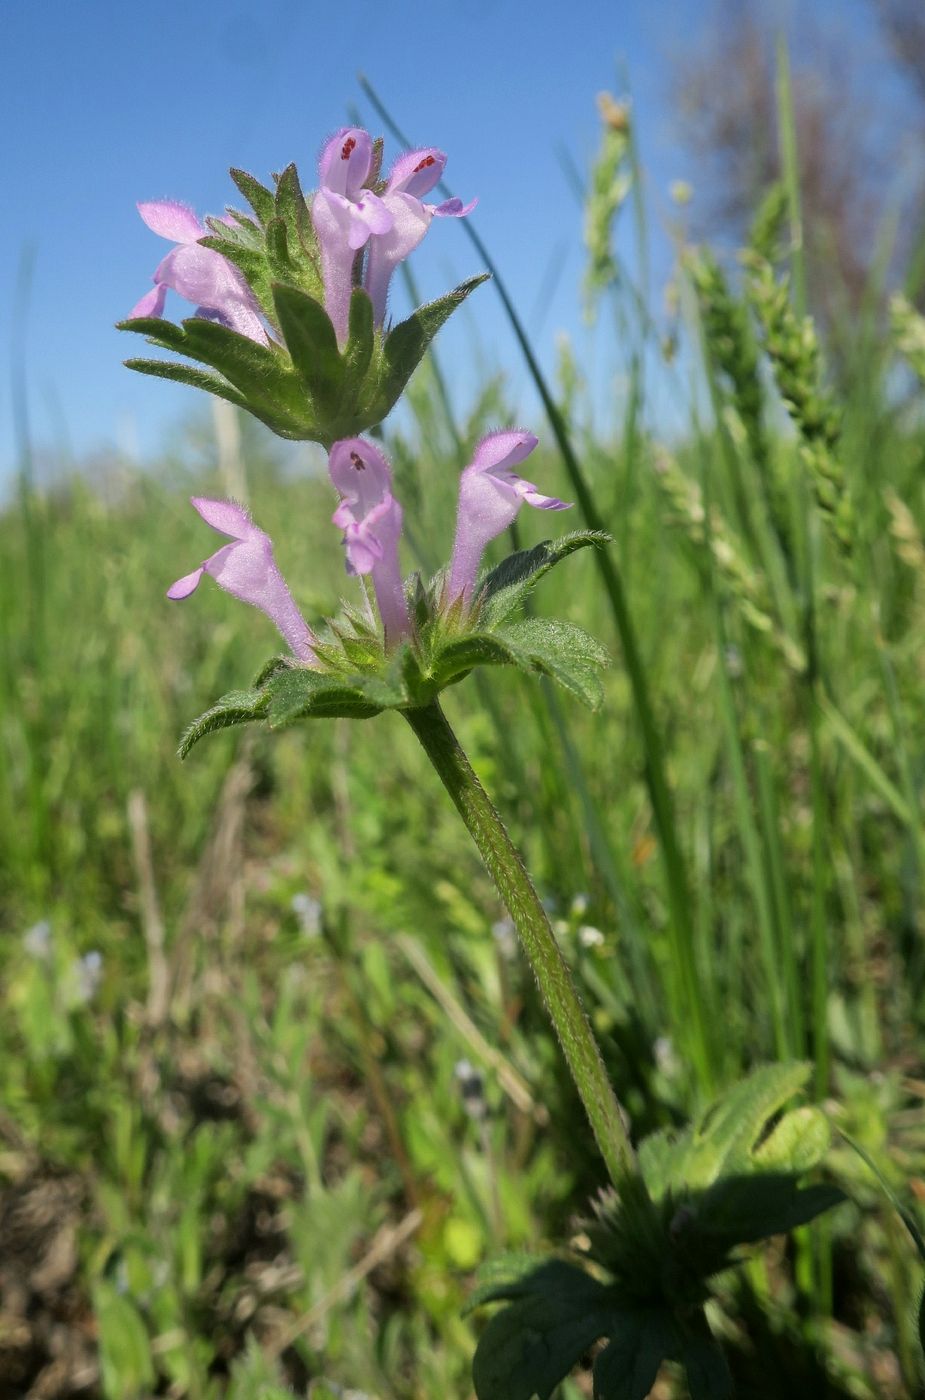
[
  {"x": 188, "y": 374},
  {"x": 360, "y": 341},
  {"x": 300, "y": 693},
  {"x": 255, "y": 369},
  {"x": 166, "y": 334},
  {"x": 562, "y": 651},
  {"x": 311, "y": 341},
  {"x": 502, "y": 591},
  {"x": 259, "y": 198},
  {"x": 555, "y": 1314},
  {"x": 405, "y": 345},
  {"x": 236, "y": 707}
]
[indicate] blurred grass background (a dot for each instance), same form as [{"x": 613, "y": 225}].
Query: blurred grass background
[{"x": 273, "y": 1080}]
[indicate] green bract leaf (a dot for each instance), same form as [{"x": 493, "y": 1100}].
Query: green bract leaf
[
  {"x": 404, "y": 347},
  {"x": 282, "y": 267},
  {"x": 158, "y": 331},
  {"x": 299, "y": 693},
  {"x": 269, "y": 668},
  {"x": 259, "y": 198},
  {"x": 188, "y": 374},
  {"x": 739, "y": 1210},
  {"x": 256, "y": 370},
  {"x": 312, "y": 343},
  {"x": 237, "y": 707},
  {"x": 458, "y": 657},
  {"x": 237, "y": 228},
  {"x": 797, "y": 1143},
  {"x": 360, "y": 342},
  {"x": 302, "y": 246},
  {"x": 502, "y": 591},
  {"x": 501, "y": 1278}
]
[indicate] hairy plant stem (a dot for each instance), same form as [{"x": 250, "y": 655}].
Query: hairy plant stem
[
  {"x": 692, "y": 1012},
  {"x": 537, "y": 938}
]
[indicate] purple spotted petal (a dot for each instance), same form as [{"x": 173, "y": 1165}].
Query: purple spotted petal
[
  {"x": 171, "y": 219},
  {"x": 416, "y": 172},
  {"x": 502, "y": 450},
  {"x": 247, "y": 569},
  {"x": 346, "y": 216},
  {"x": 151, "y": 304},
  {"x": 370, "y": 518},
  {"x": 345, "y": 161},
  {"x": 490, "y": 495}
]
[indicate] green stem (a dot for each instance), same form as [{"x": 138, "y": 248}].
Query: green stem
[
  {"x": 681, "y": 926},
  {"x": 549, "y": 967}
]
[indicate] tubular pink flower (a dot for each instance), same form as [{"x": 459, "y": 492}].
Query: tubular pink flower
[
  {"x": 370, "y": 518},
  {"x": 414, "y": 174},
  {"x": 345, "y": 214},
  {"x": 199, "y": 274},
  {"x": 490, "y": 495},
  {"x": 246, "y": 569}
]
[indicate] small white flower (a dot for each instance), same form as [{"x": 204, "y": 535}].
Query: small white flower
[
  {"x": 590, "y": 937},
  {"x": 665, "y": 1057},
  {"x": 308, "y": 911}
]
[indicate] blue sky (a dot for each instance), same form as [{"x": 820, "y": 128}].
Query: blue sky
[{"x": 108, "y": 102}]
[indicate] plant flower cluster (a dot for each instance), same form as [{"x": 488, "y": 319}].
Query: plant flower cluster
[
  {"x": 291, "y": 322},
  {"x": 491, "y": 494},
  {"x": 291, "y": 299}
]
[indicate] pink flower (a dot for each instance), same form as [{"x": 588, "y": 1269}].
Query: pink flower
[
  {"x": 370, "y": 518},
  {"x": 247, "y": 570},
  {"x": 414, "y": 174},
  {"x": 199, "y": 274},
  {"x": 345, "y": 215},
  {"x": 349, "y": 217},
  {"x": 490, "y": 496}
]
